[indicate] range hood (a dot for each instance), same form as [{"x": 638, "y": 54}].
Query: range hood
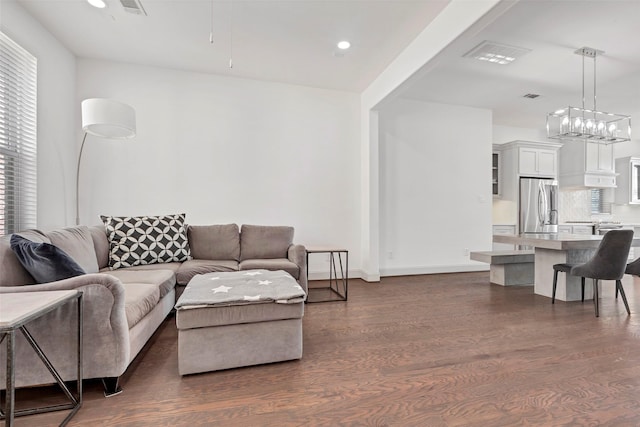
[
  {"x": 588, "y": 180},
  {"x": 585, "y": 165}
]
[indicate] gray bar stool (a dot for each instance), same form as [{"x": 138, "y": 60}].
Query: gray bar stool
[
  {"x": 608, "y": 263},
  {"x": 565, "y": 268},
  {"x": 633, "y": 268}
]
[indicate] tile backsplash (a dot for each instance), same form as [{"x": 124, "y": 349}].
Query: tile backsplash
[{"x": 574, "y": 205}]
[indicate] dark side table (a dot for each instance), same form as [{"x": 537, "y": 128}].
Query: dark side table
[
  {"x": 16, "y": 311},
  {"x": 338, "y": 284}
]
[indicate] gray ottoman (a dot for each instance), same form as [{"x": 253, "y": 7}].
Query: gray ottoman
[{"x": 233, "y": 319}]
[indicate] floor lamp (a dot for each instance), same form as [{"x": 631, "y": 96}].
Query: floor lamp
[{"x": 104, "y": 118}]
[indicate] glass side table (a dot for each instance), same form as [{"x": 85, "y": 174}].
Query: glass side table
[
  {"x": 16, "y": 311},
  {"x": 338, "y": 285}
]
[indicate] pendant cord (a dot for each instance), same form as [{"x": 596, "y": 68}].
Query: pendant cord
[
  {"x": 211, "y": 32},
  {"x": 583, "y": 81},
  {"x": 595, "y": 108},
  {"x": 231, "y": 38}
]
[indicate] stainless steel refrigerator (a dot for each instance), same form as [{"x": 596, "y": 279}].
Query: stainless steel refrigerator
[{"x": 538, "y": 205}]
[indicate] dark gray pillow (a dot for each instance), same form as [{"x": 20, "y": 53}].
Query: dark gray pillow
[{"x": 45, "y": 262}]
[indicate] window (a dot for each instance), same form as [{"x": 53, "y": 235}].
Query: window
[
  {"x": 600, "y": 201},
  {"x": 18, "y": 72}
]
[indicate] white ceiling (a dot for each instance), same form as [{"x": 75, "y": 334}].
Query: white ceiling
[
  {"x": 553, "y": 30},
  {"x": 290, "y": 41},
  {"x": 294, "y": 42}
]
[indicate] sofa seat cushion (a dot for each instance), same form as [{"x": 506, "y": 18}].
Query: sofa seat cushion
[
  {"x": 271, "y": 264},
  {"x": 190, "y": 268},
  {"x": 139, "y": 300},
  {"x": 203, "y": 317},
  {"x": 164, "y": 280},
  {"x": 171, "y": 266}
]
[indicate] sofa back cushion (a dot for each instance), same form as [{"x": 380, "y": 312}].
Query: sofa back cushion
[
  {"x": 44, "y": 261},
  {"x": 12, "y": 273},
  {"x": 78, "y": 244},
  {"x": 100, "y": 245},
  {"x": 214, "y": 242},
  {"x": 263, "y": 241}
]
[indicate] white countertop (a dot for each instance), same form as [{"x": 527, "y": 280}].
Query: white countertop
[{"x": 559, "y": 241}]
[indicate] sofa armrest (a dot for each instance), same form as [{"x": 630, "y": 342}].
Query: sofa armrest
[
  {"x": 105, "y": 332},
  {"x": 298, "y": 255}
]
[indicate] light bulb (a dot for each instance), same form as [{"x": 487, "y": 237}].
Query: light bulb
[
  {"x": 344, "y": 45},
  {"x": 577, "y": 125}
]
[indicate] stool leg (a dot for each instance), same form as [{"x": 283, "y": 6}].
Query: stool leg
[
  {"x": 582, "y": 283},
  {"x": 595, "y": 296},
  {"x": 624, "y": 297},
  {"x": 555, "y": 283},
  {"x": 616, "y": 291}
]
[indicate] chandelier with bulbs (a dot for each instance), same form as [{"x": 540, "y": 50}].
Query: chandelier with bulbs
[{"x": 583, "y": 124}]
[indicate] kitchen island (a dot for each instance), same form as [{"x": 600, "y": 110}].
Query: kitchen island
[{"x": 550, "y": 249}]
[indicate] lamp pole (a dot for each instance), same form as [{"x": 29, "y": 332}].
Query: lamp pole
[{"x": 78, "y": 180}]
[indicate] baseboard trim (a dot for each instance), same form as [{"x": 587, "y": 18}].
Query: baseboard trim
[
  {"x": 403, "y": 271},
  {"x": 436, "y": 269}
]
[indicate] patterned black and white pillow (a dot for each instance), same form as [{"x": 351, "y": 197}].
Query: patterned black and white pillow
[{"x": 139, "y": 240}]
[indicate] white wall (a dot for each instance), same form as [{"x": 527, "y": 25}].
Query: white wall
[
  {"x": 57, "y": 138},
  {"x": 450, "y": 24},
  {"x": 227, "y": 150},
  {"x": 504, "y": 134},
  {"x": 435, "y": 187}
]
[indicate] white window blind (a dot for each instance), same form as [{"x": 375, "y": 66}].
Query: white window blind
[
  {"x": 600, "y": 201},
  {"x": 18, "y": 90}
]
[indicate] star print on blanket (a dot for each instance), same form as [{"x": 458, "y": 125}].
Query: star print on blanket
[{"x": 241, "y": 287}]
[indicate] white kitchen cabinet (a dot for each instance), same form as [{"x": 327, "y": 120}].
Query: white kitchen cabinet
[
  {"x": 495, "y": 174},
  {"x": 503, "y": 229},
  {"x": 582, "y": 229},
  {"x": 565, "y": 229},
  {"x": 525, "y": 159},
  {"x": 537, "y": 162},
  {"x": 599, "y": 157},
  {"x": 586, "y": 164}
]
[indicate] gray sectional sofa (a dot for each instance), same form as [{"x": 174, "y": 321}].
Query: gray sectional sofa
[{"x": 125, "y": 306}]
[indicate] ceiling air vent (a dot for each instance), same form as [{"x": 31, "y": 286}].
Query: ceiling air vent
[
  {"x": 531, "y": 95},
  {"x": 133, "y": 6},
  {"x": 496, "y": 53}
]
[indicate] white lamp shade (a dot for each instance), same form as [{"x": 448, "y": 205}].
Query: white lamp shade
[{"x": 108, "y": 119}]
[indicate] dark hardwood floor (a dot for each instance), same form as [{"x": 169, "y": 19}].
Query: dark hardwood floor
[{"x": 436, "y": 350}]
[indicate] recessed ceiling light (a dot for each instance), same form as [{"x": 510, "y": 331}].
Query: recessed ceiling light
[
  {"x": 100, "y": 4},
  {"x": 344, "y": 45}
]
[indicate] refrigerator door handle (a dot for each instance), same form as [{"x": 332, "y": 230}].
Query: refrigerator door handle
[{"x": 540, "y": 206}]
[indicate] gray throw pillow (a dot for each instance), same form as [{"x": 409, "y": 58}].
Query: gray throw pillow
[{"x": 44, "y": 261}]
